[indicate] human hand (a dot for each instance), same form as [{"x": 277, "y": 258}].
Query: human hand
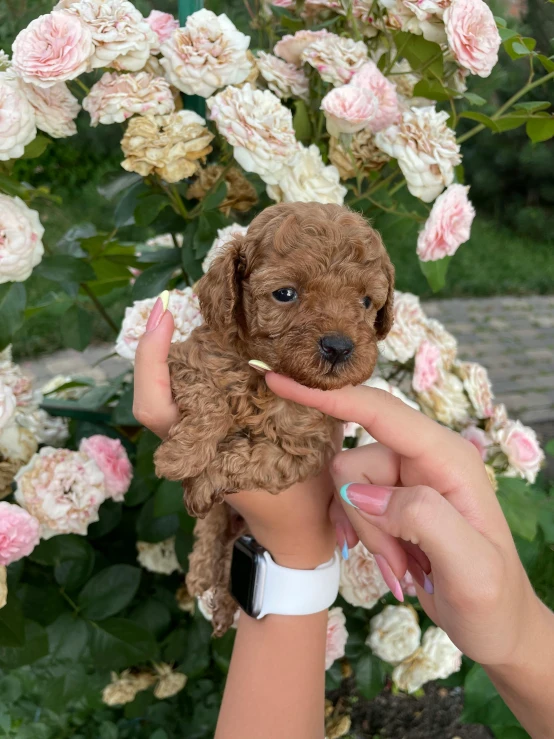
[{"x": 422, "y": 500}]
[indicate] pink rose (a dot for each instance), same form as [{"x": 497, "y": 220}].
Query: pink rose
[
  {"x": 19, "y": 533},
  {"x": 448, "y": 225},
  {"x": 370, "y": 79},
  {"x": 479, "y": 438},
  {"x": 337, "y": 636},
  {"x": 111, "y": 458},
  {"x": 427, "y": 366},
  {"x": 53, "y": 48},
  {"x": 519, "y": 443},
  {"x": 55, "y": 108},
  {"x": 290, "y": 48},
  {"x": 472, "y": 35},
  {"x": 348, "y": 109},
  {"x": 163, "y": 24}
]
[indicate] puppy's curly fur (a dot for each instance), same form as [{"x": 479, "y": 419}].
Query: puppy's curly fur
[{"x": 234, "y": 433}]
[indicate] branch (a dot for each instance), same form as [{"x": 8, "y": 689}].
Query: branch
[{"x": 100, "y": 308}]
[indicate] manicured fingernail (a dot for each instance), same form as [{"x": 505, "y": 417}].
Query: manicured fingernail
[
  {"x": 341, "y": 541},
  {"x": 428, "y": 585},
  {"x": 155, "y": 316},
  {"x": 389, "y": 577},
  {"x": 164, "y": 297},
  {"x": 259, "y": 366},
  {"x": 372, "y": 499}
]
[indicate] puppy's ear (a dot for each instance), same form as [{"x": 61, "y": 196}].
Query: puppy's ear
[
  {"x": 219, "y": 291},
  {"x": 385, "y": 315}
]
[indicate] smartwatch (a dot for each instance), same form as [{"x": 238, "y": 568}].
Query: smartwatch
[{"x": 261, "y": 587}]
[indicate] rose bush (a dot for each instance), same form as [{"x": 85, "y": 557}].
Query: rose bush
[{"x": 365, "y": 104}]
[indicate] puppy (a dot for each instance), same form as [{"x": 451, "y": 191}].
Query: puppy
[{"x": 308, "y": 290}]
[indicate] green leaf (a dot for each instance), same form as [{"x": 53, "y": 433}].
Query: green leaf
[
  {"x": 507, "y": 33},
  {"x": 72, "y": 557},
  {"x": 168, "y": 498},
  {"x": 301, "y": 122},
  {"x": 77, "y": 327},
  {"x": 474, "y": 115},
  {"x": 533, "y": 106},
  {"x": 119, "y": 642},
  {"x": 12, "y": 304},
  {"x": 37, "y": 147},
  {"x": 519, "y": 507},
  {"x": 528, "y": 551},
  {"x": 474, "y": 99},
  {"x": 333, "y": 677},
  {"x": 12, "y": 630},
  {"x": 157, "y": 256},
  {"x": 419, "y": 52},
  {"x": 546, "y": 62},
  {"x": 115, "y": 182},
  {"x": 42, "y": 604},
  {"x": 12, "y": 187},
  {"x": 518, "y": 47},
  {"x": 147, "y": 445},
  {"x": 482, "y": 704},
  {"x": 196, "y": 647},
  {"x": 67, "y": 636},
  {"x": 123, "y": 411},
  {"x": 500, "y": 22},
  {"x": 549, "y": 448},
  {"x": 153, "y": 529},
  {"x": 206, "y": 232},
  {"x": 65, "y": 268},
  {"x": 370, "y": 677},
  {"x": 153, "y": 616},
  {"x": 214, "y": 199},
  {"x": 148, "y": 208},
  {"x": 61, "y": 690},
  {"x": 35, "y": 646},
  {"x": 222, "y": 650},
  {"x": 139, "y": 491},
  {"x": 435, "y": 272},
  {"x": 509, "y": 122},
  {"x": 184, "y": 541},
  {"x": 433, "y": 89},
  {"x": 124, "y": 214},
  {"x": 509, "y": 732},
  {"x": 152, "y": 281},
  {"x": 109, "y": 517},
  {"x": 10, "y": 689},
  {"x": 540, "y": 129},
  {"x": 109, "y": 592}
]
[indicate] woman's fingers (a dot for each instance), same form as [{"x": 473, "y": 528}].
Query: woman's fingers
[
  {"x": 153, "y": 404},
  {"x": 347, "y": 538}
]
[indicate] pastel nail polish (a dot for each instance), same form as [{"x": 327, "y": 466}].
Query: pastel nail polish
[
  {"x": 341, "y": 541},
  {"x": 259, "y": 366},
  {"x": 155, "y": 316},
  {"x": 372, "y": 499},
  {"x": 389, "y": 577},
  {"x": 428, "y": 585}
]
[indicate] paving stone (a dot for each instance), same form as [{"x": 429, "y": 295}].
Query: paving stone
[{"x": 524, "y": 401}]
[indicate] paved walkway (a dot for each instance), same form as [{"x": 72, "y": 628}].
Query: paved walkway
[{"x": 512, "y": 337}]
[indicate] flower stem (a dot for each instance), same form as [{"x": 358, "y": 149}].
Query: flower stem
[
  {"x": 69, "y": 600},
  {"x": 394, "y": 212},
  {"x": 177, "y": 202},
  {"x": 99, "y": 307},
  {"x": 82, "y": 85}
]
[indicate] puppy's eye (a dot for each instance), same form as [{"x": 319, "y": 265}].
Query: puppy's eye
[
  {"x": 366, "y": 302},
  {"x": 285, "y": 294}
]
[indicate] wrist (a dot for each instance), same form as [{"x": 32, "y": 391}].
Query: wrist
[{"x": 300, "y": 554}]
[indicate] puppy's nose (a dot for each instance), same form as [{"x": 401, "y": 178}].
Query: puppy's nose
[{"x": 336, "y": 347}]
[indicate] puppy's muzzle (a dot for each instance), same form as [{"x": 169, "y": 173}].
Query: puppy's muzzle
[{"x": 336, "y": 348}]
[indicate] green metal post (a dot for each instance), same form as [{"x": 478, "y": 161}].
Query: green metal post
[{"x": 186, "y": 8}]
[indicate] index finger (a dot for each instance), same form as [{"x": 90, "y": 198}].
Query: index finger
[{"x": 393, "y": 423}]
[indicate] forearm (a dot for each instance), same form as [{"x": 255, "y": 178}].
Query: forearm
[
  {"x": 525, "y": 684},
  {"x": 276, "y": 682}
]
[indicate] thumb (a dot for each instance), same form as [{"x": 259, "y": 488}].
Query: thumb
[{"x": 424, "y": 517}]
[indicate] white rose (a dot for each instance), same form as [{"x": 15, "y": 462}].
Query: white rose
[
  {"x": 446, "y": 342},
  {"x": 408, "y": 329},
  {"x": 122, "y": 38},
  {"x": 21, "y": 246},
  {"x": 7, "y": 404},
  {"x": 116, "y": 97},
  {"x": 284, "y": 79},
  {"x": 336, "y": 58},
  {"x": 425, "y": 148},
  {"x": 394, "y": 634},
  {"x": 17, "y": 120},
  {"x": 47, "y": 429},
  {"x": 224, "y": 237},
  {"x": 258, "y": 126},
  {"x": 158, "y": 557},
  {"x": 206, "y": 607},
  {"x": 55, "y": 108},
  {"x": 17, "y": 443},
  {"x": 337, "y": 636},
  {"x": 361, "y": 582},
  {"x": 438, "y": 658},
  {"x": 208, "y": 53},
  {"x": 307, "y": 179},
  {"x": 478, "y": 387},
  {"x": 21, "y": 385},
  {"x": 290, "y": 48},
  {"x": 520, "y": 445},
  {"x": 446, "y": 401},
  {"x": 184, "y": 307}
]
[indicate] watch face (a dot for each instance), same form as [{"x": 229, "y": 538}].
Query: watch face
[{"x": 247, "y": 575}]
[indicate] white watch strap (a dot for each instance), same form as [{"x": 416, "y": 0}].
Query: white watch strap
[{"x": 290, "y": 592}]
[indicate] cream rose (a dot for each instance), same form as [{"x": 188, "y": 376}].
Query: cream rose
[
  {"x": 337, "y": 636},
  {"x": 363, "y": 155},
  {"x": 394, "y": 634},
  {"x": 472, "y": 35},
  {"x": 425, "y": 148},
  {"x": 163, "y": 25},
  {"x": 116, "y": 97},
  {"x": 206, "y": 607},
  {"x": 336, "y": 58},
  {"x": 307, "y": 179},
  {"x": 170, "y": 682},
  {"x": 520, "y": 445},
  {"x": 159, "y": 557},
  {"x": 208, "y": 53},
  {"x": 122, "y": 37},
  {"x": 53, "y": 48},
  {"x": 283, "y": 78},
  {"x": 408, "y": 329},
  {"x": 448, "y": 225},
  {"x": 290, "y": 48},
  {"x": 184, "y": 308},
  {"x": 478, "y": 387},
  {"x": 21, "y": 233},
  {"x": 361, "y": 582},
  {"x": 17, "y": 119},
  {"x": 435, "y": 332},
  {"x": 7, "y": 404},
  {"x": 258, "y": 126},
  {"x": 224, "y": 238},
  {"x": 446, "y": 401},
  {"x": 348, "y": 109},
  {"x": 437, "y": 658},
  {"x": 55, "y": 108}
]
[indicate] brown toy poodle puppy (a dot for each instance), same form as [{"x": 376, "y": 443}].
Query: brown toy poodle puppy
[{"x": 308, "y": 291}]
